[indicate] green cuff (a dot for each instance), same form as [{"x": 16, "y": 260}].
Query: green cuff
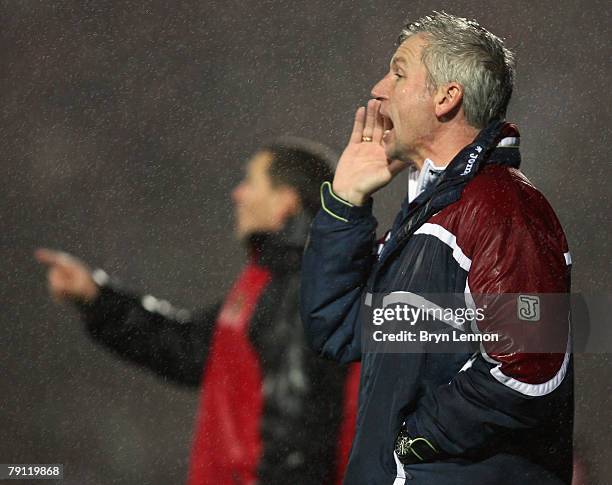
[{"x": 339, "y": 208}]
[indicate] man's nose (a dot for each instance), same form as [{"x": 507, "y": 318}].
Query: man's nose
[
  {"x": 380, "y": 89},
  {"x": 236, "y": 193}
]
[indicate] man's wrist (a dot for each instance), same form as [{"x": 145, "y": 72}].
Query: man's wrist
[
  {"x": 341, "y": 209},
  {"x": 92, "y": 294},
  {"x": 351, "y": 197},
  {"x": 412, "y": 448}
]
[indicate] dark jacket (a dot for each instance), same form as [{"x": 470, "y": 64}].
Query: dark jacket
[
  {"x": 501, "y": 415},
  {"x": 302, "y": 394}
]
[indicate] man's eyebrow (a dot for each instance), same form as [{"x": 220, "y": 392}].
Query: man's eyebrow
[{"x": 397, "y": 60}]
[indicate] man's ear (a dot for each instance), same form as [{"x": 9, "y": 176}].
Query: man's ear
[{"x": 448, "y": 100}]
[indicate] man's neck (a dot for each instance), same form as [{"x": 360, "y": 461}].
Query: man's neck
[{"x": 447, "y": 142}]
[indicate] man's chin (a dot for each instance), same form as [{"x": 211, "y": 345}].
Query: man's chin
[
  {"x": 392, "y": 152},
  {"x": 241, "y": 236},
  {"x": 395, "y": 152},
  {"x": 240, "y": 233}
]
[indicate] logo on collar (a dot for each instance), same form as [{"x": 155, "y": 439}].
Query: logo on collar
[{"x": 472, "y": 158}]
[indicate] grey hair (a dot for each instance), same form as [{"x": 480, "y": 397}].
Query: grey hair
[{"x": 460, "y": 50}]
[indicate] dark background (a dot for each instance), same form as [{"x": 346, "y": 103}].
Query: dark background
[{"x": 123, "y": 127}]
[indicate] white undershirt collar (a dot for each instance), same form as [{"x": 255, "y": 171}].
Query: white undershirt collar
[{"x": 419, "y": 180}]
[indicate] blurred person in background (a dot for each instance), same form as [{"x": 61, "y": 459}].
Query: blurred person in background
[{"x": 271, "y": 411}]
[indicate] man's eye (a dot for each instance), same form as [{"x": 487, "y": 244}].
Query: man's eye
[{"x": 397, "y": 75}]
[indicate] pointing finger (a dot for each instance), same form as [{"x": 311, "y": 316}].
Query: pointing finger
[{"x": 47, "y": 256}]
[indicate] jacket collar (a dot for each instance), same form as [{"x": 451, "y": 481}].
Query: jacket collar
[
  {"x": 280, "y": 251},
  {"x": 498, "y": 143},
  {"x": 449, "y": 185}
]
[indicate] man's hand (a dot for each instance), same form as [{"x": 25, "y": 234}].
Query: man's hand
[
  {"x": 68, "y": 278},
  {"x": 363, "y": 167}
]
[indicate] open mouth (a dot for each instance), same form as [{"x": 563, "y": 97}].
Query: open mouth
[{"x": 387, "y": 125}]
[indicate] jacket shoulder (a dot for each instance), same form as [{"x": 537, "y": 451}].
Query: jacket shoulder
[
  {"x": 501, "y": 196},
  {"x": 501, "y": 193}
]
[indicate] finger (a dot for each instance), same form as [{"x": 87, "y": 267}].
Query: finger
[
  {"x": 55, "y": 279},
  {"x": 47, "y": 256},
  {"x": 357, "y": 132},
  {"x": 379, "y": 128},
  {"x": 372, "y": 113},
  {"x": 54, "y": 287}
]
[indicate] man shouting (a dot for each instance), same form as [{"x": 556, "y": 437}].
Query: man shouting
[{"x": 474, "y": 225}]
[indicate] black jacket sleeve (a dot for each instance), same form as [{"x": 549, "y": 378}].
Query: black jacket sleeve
[{"x": 150, "y": 332}]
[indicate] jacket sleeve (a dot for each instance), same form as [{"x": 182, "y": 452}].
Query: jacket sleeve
[
  {"x": 335, "y": 267},
  {"x": 317, "y": 434},
  {"x": 171, "y": 342},
  {"x": 303, "y": 395},
  {"x": 505, "y": 389}
]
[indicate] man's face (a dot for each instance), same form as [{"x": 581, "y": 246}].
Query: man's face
[
  {"x": 406, "y": 102},
  {"x": 258, "y": 205}
]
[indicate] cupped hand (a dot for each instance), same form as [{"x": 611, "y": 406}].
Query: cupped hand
[{"x": 363, "y": 167}]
